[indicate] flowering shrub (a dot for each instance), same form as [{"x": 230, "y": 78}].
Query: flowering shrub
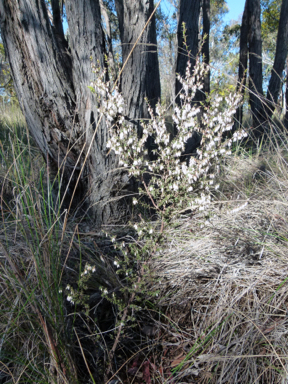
[
  {"x": 172, "y": 183},
  {"x": 78, "y": 296}
]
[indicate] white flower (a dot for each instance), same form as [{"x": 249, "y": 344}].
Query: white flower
[{"x": 70, "y": 299}]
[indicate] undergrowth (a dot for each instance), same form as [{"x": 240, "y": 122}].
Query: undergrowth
[{"x": 186, "y": 295}]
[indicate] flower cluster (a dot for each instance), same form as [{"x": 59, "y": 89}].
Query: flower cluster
[
  {"x": 88, "y": 270},
  {"x": 77, "y": 296},
  {"x": 174, "y": 181},
  {"x": 110, "y": 103}
]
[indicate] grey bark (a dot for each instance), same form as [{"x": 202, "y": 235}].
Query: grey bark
[
  {"x": 251, "y": 46},
  {"x": 52, "y": 89},
  {"x": 189, "y": 12},
  {"x": 206, "y": 35},
  {"x": 243, "y": 64},
  {"x": 109, "y": 48},
  {"x": 140, "y": 77},
  {"x": 255, "y": 65},
  {"x": 205, "y": 47},
  {"x": 279, "y": 61},
  {"x": 57, "y": 19}
]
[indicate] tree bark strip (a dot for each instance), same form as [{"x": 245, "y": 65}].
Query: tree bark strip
[
  {"x": 279, "y": 61},
  {"x": 189, "y": 13},
  {"x": 255, "y": 65},
  {"x": 140, "y": 77}
]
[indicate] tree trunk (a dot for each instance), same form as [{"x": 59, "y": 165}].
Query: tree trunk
[
  {"x": 205, "y": 48},
  {"x": 140, "y": 77},
  {"x": 243, "y": 63},
  {"x": 52, "y": 89},
  {"x": 250, "y": 42},
  {"x": 255, "y": 65},
  {"x": 109, "y": 46},
  {"x": 279, "y": 61},
  {"x": 189, "y": 12},
  {"x": 286, "y": 98}
]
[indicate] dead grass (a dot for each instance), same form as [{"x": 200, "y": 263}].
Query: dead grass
[
  {"x": 223, "y": 280},
  {"x": 217, "y": 305}
]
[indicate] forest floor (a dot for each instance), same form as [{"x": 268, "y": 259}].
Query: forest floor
[{"x": 210, "y": 306}]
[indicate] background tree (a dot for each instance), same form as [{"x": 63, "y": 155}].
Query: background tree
[
  {"x": 279, "y": 61},
  {"x": 255, "y": 63},
  {"x": 206, "y": 44},
  {"x": 189, "y": 13},
  {"x": 251, "y": 48},
  {"x": 140, "y": 78}
]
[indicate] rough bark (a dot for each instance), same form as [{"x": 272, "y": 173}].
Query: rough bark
[
  {"x": 109, "y": 46},
  {"x": 41, "y": 72},
  {"x": 255, "y": 65},
  {"x": 205, "y": 48},
  {"x": 286, "y": 100},
  {"x": 279, "y": 61},
  {"x": 57, "y": 19},
  {"x": 52, "y": 88},
  {"x": 140, "y": 77},
  {"x": 189, "y": 12},
  {"x": 243, "y": 63}
]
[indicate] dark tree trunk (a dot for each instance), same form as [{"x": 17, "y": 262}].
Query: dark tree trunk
[
  {"x": 189, "y": 13},
  {"x": 251, "y": 43},
  {"x": 52, "y": 88},
  {"x": 205, "y": 48},
  {"x": 243, "y": 63},
  {"x": 57, "y": 19},
  {"x": 109, "y": 46},
  {"x": 279, "y": 61},
  {"x": 255, "y": 65},
  {"x": 286, "y": 98},
  {"x": 140, "y": 77}
]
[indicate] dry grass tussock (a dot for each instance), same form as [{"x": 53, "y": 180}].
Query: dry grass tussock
[
  {"x": 223, "y": 281},
  {"x": 218, "y": 309}
]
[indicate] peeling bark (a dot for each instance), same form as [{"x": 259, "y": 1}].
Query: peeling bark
[
  {"x": 189, "y": 13},
  {"x": 140, "y": 77},
  {"x": 52, "y": 88},
  {"x": 279, "y": 61}
]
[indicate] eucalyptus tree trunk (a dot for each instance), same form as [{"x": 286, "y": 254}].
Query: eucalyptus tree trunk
[
  {"x": 251, "y": 47},
  {"x": 140, "y": 77},
  {"x": 255, "y": 65},
  {"x": 51, "y": 80},
  {"x": 189, "y": 13},
  {"x": 140, "y": 81},
  {"x": 279, "y": 61},
  {"x": 243, "y": 64},
  {"x": 205, "y": 48}
]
